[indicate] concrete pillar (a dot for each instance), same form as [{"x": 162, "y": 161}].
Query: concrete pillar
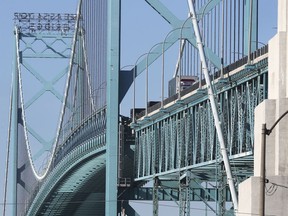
[
  {"x": 282, "y": 16},
  {"x": 278, "y": 87},
  {"x": 278, "y": 59},
  {"x": 264, "y": 113}
]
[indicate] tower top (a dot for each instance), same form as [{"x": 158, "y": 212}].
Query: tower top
[{"x": 45, "y": 22}]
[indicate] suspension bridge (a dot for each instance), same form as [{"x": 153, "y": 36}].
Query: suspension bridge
[{"x": 200, "y": 141}]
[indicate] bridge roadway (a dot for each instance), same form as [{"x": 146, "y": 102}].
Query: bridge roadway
[{"x": 76, "y": 184}]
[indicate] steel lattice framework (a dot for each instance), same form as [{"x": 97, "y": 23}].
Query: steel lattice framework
[
  {"x": 180, "y": 142},
  {"x": 186, "y": 136},
  {"x": 176, "y": 142}
]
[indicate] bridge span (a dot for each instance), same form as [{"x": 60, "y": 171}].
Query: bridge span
[{"x": 97, "y": 159}]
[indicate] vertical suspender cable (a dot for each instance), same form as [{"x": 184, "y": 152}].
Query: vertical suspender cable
[
  {"x": 213, "y": 106},
  {"x": 230, "y": 31},
  {"x": 234, "y": 31},
  {"x": 226, "y": 59},
  {"x": 222, "y": 42},
  {"x": 238, "y": 30},
  {"x": 250, "y": 31}
]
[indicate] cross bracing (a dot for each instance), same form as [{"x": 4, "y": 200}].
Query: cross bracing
[
  {"x": 179, "y": 139},
  {"x": 176, "y": 142},
  {"x": 82, "y": 121}
]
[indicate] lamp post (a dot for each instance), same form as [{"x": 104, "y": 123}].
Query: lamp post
[
  {"x": 163, "y": 67},
  {"x": 125, "y": 66},
  {"x": 134, "y": 86},
  {"x": 180, "y": 55},
  {"x": 147, "y": 62},
  {"x": 265, "y": 132}
]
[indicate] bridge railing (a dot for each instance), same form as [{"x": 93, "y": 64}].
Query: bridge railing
[{"x": 92, "y": 126}]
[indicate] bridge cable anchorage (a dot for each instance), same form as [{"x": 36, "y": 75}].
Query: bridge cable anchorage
[
  {"x": 44, "y": 174},
  {"x": 213, "y": 105},
  {"x": 7, "y": 152}
]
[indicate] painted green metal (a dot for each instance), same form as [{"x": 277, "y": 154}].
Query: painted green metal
[
  {"x": 175, "y": 36},
  {"x": 164, "y": 12},
  {"x": 172, "y": 39},
  {"x": 113, "y": 68},
  {"x": 88, "y": 149},
  {"x": 170, "y": 143},
  {"x": 183, "y": 137},
  {"x": 155, "y": 197},
  {"x": 237, "y": 102},
  {"x": 185, "y": 194},
  {"x": 46, "y": 40}
]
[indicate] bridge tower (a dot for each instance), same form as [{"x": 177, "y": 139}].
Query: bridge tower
[
  {"x": 45, "y": 39},
  {"x": 86, "y": 92}
]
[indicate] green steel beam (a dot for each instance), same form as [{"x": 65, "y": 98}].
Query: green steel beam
[
  {"x": 43, "y": 55},
  {"x": 171, "y": 39},
  {"x": 208, "y": 52},
  {"x": 244, "y": 90},
  {"x": 164, "y": 12},
  {"x": 113, "y": 68},
  {"x": 85, "y": 153}
]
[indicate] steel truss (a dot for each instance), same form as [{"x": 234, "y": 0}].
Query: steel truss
[{"x": 184, "y": 137}]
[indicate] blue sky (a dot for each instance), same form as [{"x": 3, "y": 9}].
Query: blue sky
[{"x": 141, "y": 29}]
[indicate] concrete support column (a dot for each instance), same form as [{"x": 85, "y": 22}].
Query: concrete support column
[
  {"x": 264, "y": 113},
  {"x": 282, "y": 16},
  {"x": 278, "y": 59},
  {"x": 281, "y": 139}
]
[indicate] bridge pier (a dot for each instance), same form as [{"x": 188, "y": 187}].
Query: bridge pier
[{"x": 268, "y": 112}]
